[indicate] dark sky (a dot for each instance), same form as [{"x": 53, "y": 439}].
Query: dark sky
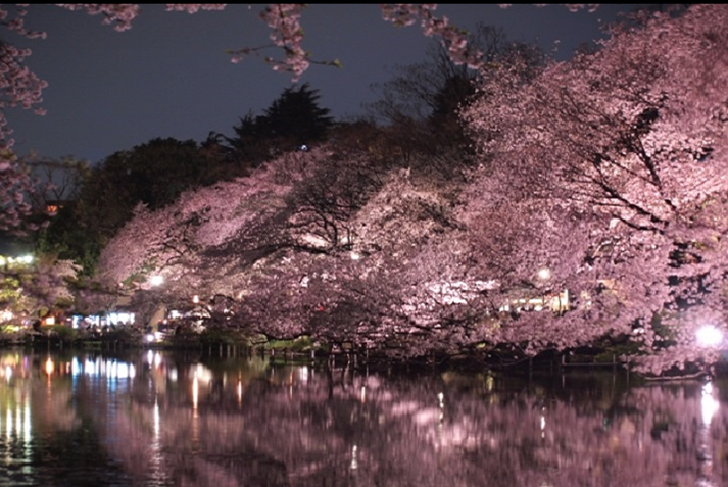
[{"x": 169, "y": 76}]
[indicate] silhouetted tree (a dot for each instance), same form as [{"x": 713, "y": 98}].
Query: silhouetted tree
[
  {"x": 293, "y": 120},
  {"x": 154, "y": 173},
  {"x": 221, "y": 158},
  {"x": 420, "y": 105}
]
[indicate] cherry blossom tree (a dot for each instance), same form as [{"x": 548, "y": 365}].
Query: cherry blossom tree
[
  {"x": 213, "y": 236},
  {"x": 315, "y": 242},
  {"x": 622, "y": 153},
  {"x": 21, "y": 87}
]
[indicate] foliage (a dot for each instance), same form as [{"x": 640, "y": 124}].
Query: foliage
[
  {"x": 292, "y": 122},
  {"x": 79, "y": 231},
  {"x": 436, "y": 88},
  {"x": 420, "y": 105},
  {"x": 154, "y": 173},
  {"x": 31, "y": 289},
  {"x": 62, "y": 333},
  {"x": 605, "y": 170},
  {"x": 613, "y": 164}
]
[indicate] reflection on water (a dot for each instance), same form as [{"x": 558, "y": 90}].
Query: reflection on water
[{"x": 150, "y": 419}]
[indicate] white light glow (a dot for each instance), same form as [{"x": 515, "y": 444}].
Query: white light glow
[
  {"x": 709, "y": 405},
  {"x": 156, "y": 280},
  {"x": 708, "y": 336},
  {"x": 195, "y": 392}
]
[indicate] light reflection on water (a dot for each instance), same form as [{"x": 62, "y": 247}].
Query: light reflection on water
[{"x": 154, "y": 419}]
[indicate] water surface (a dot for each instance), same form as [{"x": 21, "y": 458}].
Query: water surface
[{"x": 149, "y": 418}]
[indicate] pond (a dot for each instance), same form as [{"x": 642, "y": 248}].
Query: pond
[{"x": 153, "y": 418}]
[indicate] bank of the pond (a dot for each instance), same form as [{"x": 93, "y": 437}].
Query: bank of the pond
[
  {"x": 231, "y": 343},
  {"x": 228, "y": 343}
]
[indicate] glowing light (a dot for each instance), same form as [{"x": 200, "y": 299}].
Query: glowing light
[
  {"x": 156, "y": 280},
  {"x": 49, "y": 366},
  {"x": 708, "y": 404},
  {"x": 354, "y": 460},
  {"x": 118, "y": 317},
  {"x": 544, "y": 274},
  {"x": 708, "y": 336},
  {"x": 195, "y": 391},
  {"x": 156, "y": 420},
  {"x": 202, "y": 373}
]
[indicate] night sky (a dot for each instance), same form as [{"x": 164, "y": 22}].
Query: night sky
[{"x": 169, "y": 76}]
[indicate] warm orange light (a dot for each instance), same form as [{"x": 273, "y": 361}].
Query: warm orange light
[{"x": 49, "y": 366}]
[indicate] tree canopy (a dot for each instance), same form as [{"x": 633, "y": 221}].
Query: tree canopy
[
  {"x": 594, "y": 217},
  {"x": 154, "y": 174},
  {"x": 614, "y": 164}
]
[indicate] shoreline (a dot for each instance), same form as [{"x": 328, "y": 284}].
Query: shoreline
[{"x": 294, "y": 351}]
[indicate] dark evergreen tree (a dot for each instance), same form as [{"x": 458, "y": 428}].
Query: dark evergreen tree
[
  {"x": 297, "y": 118},
  {"x": 292, "y": 121},
  {"x": 252, "y": 143}
]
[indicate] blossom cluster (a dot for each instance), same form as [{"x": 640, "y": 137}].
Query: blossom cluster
[
  {"x": 119, "y": 15},
  {"x": 453, "y": 39}
]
